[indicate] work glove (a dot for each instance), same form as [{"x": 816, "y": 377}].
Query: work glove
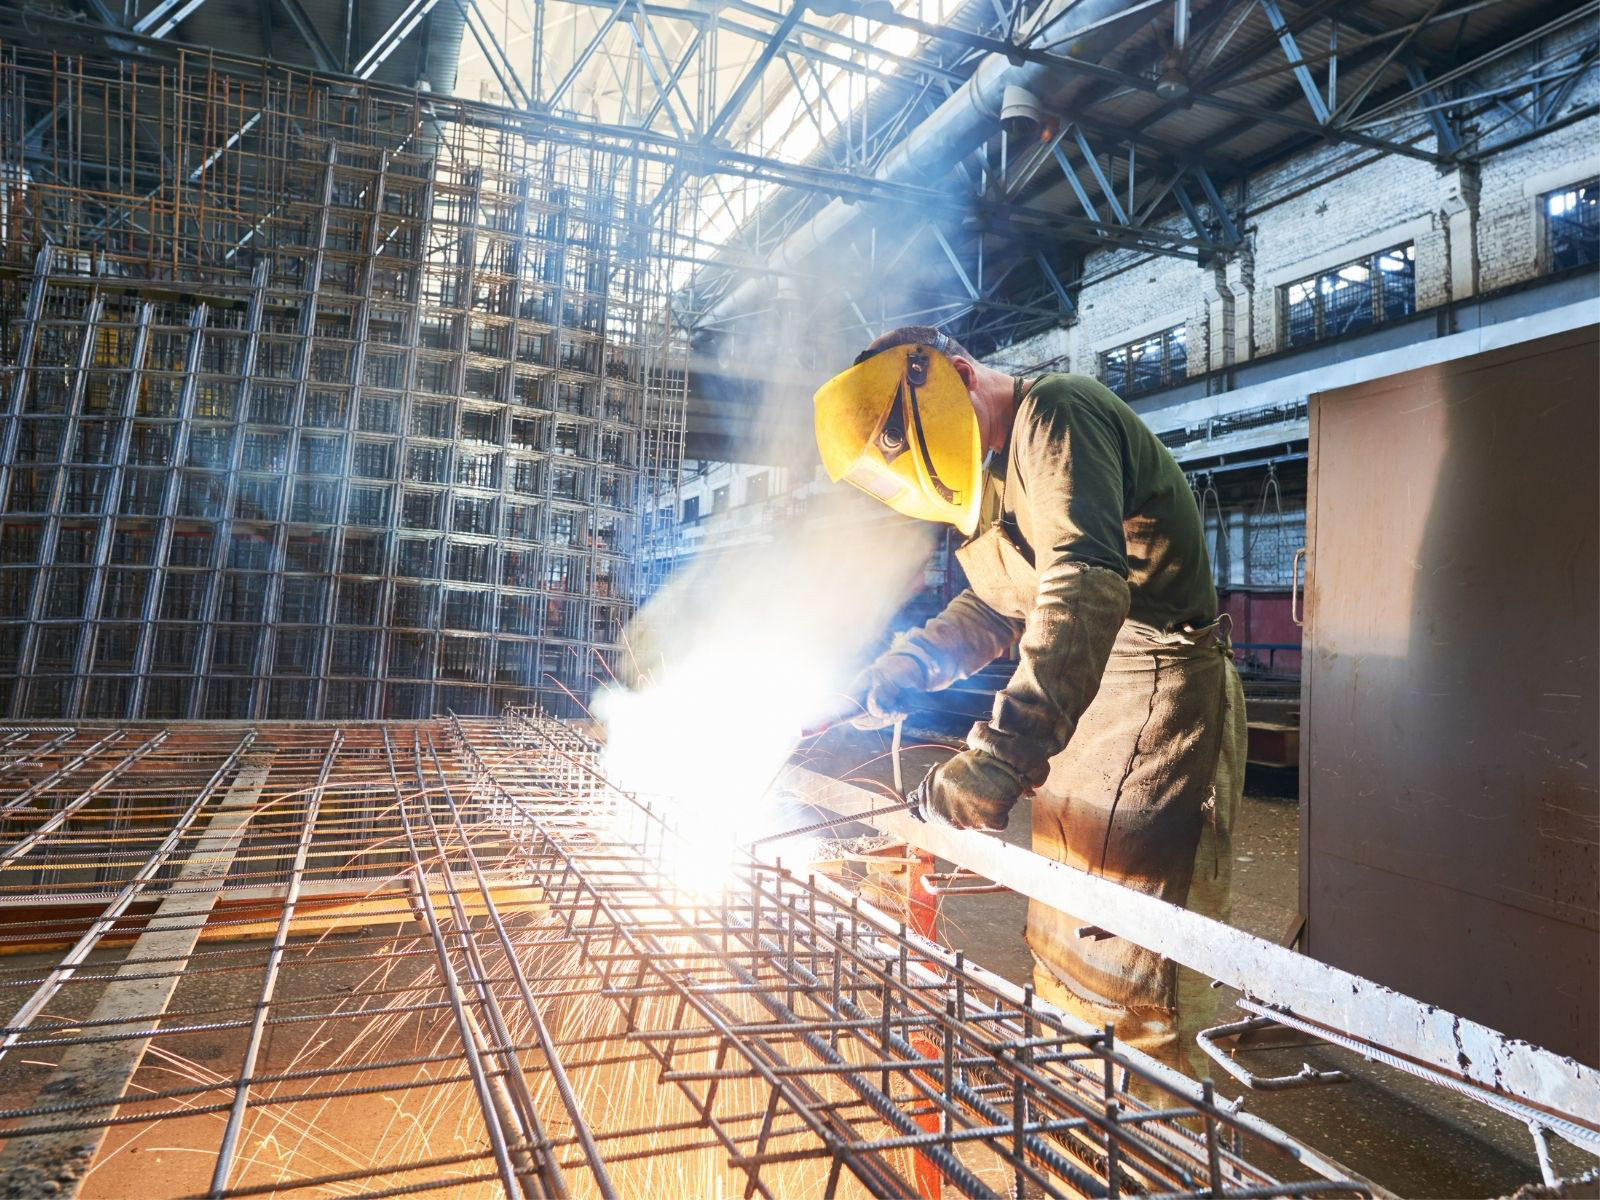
[
  {"x": 887, "y": 689},
  {"x": 973, "y": 790}
]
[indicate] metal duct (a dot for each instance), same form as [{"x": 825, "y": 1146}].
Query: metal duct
[{"x": 952, "y": 131}]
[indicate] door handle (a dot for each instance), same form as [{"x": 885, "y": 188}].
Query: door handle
[{"x": 1296, "y": 609}]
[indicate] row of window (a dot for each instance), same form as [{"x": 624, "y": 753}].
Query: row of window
[
  {"x": 1353, "y": 296},
  {"x": 1357, "y": 295},
  {"x": 755, "y": 492},
  {"x": 1147, "y": 364}
]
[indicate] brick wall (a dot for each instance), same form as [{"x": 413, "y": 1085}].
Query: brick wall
[
  {"x": 1473, "y": 232},
  {"x": 1370, "y": 206}
]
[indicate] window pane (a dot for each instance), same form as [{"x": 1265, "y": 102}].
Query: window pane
[
  {"x": 1115, "y": 370},
  {"x": 1300, "y": 313},
  {"x": 1573, "y": 218},
  {"x": 1397, "y": 269},
  {"x": 1346, "y": 299},
  {"x": 1144, "y": 365},
  {"x": 1343, "y": 300},
  {"x": 1177, "y": 353}
]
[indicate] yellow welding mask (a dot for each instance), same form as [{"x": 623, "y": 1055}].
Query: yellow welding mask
[{"x": 900, "y": 426}]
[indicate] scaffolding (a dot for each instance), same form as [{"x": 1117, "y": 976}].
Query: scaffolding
[
  {"x": 321, "y": 400},
  {"x": 384, "y": 959}
]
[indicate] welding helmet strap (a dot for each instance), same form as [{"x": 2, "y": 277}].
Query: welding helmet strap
[
  {"x": 938, "y": 484},
  {"x": 892, "y": 440}
]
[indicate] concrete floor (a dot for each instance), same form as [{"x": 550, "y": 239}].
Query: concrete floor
[{"x": 1409, "y": 1138}]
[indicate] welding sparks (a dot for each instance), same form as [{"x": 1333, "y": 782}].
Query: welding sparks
[
  {"x": 743, "y": 650},
  {"x": 708, "y": 738}
]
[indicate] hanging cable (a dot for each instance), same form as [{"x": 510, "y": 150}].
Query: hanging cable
[
  {"x": 1205, "y": 490},
  {"x": 1269, "y": 490}
]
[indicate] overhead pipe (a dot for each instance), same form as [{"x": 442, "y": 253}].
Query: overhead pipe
[{"x": 970, "y": 117}]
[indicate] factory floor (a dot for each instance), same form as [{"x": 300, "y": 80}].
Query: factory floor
[{"x": 1407, "y": 1137}]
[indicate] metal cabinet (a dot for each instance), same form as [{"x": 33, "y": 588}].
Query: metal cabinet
[{"x": 1449, "y": 768}]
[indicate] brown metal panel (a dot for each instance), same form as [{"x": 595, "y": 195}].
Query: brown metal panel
[{"x": 1452, "y": 822}]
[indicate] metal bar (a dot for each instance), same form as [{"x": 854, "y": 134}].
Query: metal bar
[
  {"x": 1349, "y": 107},
  {"x": 582, "y": 60},
  {"x": 16, "y": 803},
  {"x": 492, "y": 1107},
  {"x": 1056, "y": 286},
  {"x": 673, "y": 83},
  {"x": 662, "y": 89},
  {"x": 35, "y": 1004},
  {"x": 312, "y": 37},
  {"x": 494, "y": 52},
  {"x": 32, "y": 311},
  {"x": 1531, "y": 37},
  {"x": 1106, "y": 190},
  {"x": 1291, "y": 51},
  {"x": 27, "y": 652},
  {"x": 950, "y": 255},
  {"x": 164, "y": 17},
  {"x": 1279, "y": 978},
  {"x": 65, "y": 813},
  {"x": 1189, "y": 210},
  {"x": 820, "y": 929},
  {"x": 569, "y": 1099},
  {"x": 106, "y": 1069},
  {"x": 752, "y": 76},
  {"x": 389, "y": 40},
  {"x": 772, "y": 986},
  {"x": 230, "y": 1134},
  {"x": 167, "y": 511},
  {"x": 1230, "y": 231},
  {"x": 1437, "y": 116},
  {"x": 1076, "y": 184}
]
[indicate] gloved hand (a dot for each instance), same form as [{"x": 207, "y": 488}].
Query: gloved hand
[
  {"x": 887, "y": 689},
  {"x": 973, "y": 790}
]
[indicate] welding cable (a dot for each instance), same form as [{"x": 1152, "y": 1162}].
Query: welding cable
[
  {"x": 830, "y": 823},
  {"x": 894, "y": 754}
]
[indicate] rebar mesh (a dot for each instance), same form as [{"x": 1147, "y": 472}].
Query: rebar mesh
[
  {"x": 381, "y": 959},
  {"x": 318, "y": 401}
]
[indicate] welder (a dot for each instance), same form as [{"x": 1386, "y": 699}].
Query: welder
[{"x": 1086, "y": 552}]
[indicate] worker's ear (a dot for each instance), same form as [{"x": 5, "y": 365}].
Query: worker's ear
[{"x": 964, "y": 368}]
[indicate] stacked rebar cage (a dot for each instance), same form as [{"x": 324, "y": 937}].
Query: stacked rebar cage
[{"x": 320, "y": 400}]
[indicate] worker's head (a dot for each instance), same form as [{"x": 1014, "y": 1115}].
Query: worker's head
[{"x": 901, "y": 426}]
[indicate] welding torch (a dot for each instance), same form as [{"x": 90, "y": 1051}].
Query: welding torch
[{"x": 825, "y": 724}]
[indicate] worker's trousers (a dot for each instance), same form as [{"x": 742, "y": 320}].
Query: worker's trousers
[{"x": 1145, "y": 794}]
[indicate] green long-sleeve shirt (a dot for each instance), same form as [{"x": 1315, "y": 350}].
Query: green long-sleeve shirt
[
  {"x": 1087, "y": 521},
  {"x": 1085, "y": 480}
]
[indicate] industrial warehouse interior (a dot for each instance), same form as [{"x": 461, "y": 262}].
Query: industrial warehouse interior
[{"x": 699, "y": 599}]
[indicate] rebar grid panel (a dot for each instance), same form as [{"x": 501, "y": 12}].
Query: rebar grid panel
[
  {"x": 318, "y": 403},
  {"x": 381, "y": 959},
  {"x": 868, "y": 1040}
]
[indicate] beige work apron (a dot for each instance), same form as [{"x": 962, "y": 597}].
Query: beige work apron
[{"x": 1156, "y": 760}]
